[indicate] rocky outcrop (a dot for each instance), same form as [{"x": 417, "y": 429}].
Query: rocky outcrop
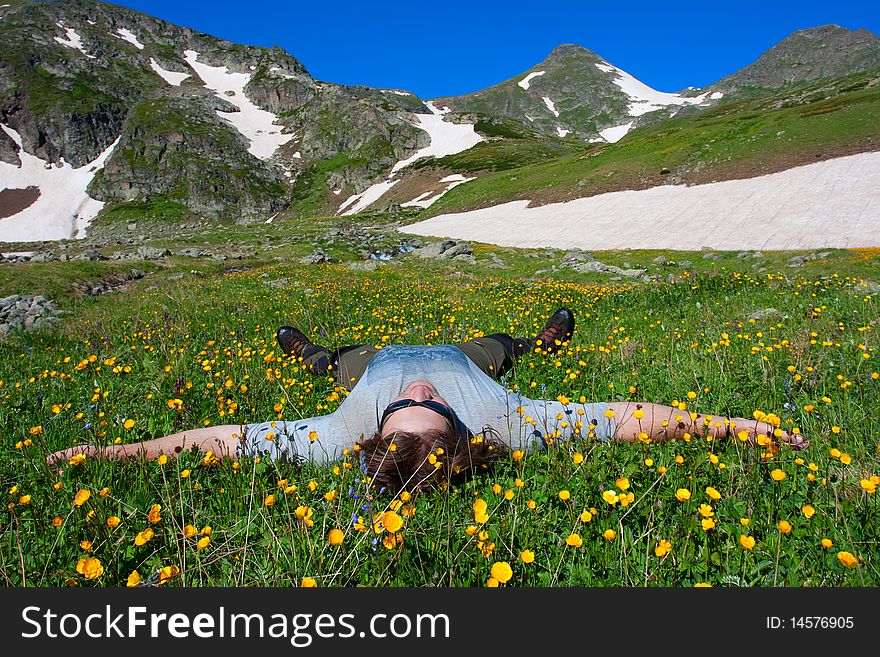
[
  {"x": 178, "y": 149},
  {"x": 28, "y": 313}
]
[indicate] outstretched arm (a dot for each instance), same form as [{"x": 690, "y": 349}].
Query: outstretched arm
[
  {"x": 221, "y": 439},
  {"x": 643, "y": 421}
]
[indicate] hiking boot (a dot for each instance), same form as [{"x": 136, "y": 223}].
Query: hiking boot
[
  {"x": 292, "y": 340},
  {"x": 558, "y": 329}
]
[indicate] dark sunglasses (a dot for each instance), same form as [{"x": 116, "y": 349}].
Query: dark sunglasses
[{"x": 457, "y": 425}]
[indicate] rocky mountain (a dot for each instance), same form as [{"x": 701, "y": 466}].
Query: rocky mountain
[
  {"x": 829, "y": 51},
  {"x": 107, "y": 112},
  {"x": 223, "y": 129},
  {"x": 575, "y": 93}
]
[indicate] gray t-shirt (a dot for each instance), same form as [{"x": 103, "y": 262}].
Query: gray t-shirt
[{"x": 479, "y": 401}]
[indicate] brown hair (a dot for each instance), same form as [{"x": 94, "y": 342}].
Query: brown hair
[{"x": 409, "y": 464}]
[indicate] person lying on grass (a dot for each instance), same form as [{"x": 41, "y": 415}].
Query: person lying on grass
[{"x": 420, "y": 415}]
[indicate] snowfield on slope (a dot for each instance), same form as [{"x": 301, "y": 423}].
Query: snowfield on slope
[
  {"x": 63, "y": 209},
  {"x": 447, "y": 138},
  {"x": 830, "y": 204},
  {"x": 256, "y": 124}
]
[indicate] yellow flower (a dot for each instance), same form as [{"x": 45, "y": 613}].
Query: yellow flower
[
  {"x": 527, "y": 556},
  {"x": 586, "y": 516},
  {"x": 91, "y": 568},
  {"x": 501, "y": 571},
  {"x": 578, "y": 458},
  {"x": 36, "y": 431},
  {"x": 663, "y": 547},
  {"x": 868, "y": 486},
  {"x": 269, "y": 501},
  {"x": 85, "y": 545},
  {"x": 104, "y": 492},
  {"x": 683, "y": 494},
  {"x": 748, "y": 542},
  {"x": 847, "y": 559},
  {"x": 128, "y": 424},
  {"x": 649, "y": 462},
  {"x": 778, "y": 475},
  {"x": 143, "y": 536},
  {"x": 308, "y": 583},
  {"x": 154, "y": 515},
  {"x": 480, "y": 514},
  {"x": 808, "y": 511},
  {"x": 204, "y": 542},
  {"x": 702, "y": 585},
  {"x": 574, "y": 540},
  {"x": 330, "y": 495},
  {"x": 713, "y": 494},
  {"x": 610, "y": 496},
  {"x": 518, "y": 454},
  {"x": 82, "y": 496},
  {"x": 707, "y": 524},
  {"x": 610, "y": 534},
  {"x": 784, "y": 526},
  {"x": 185, "y": 474},
  {"x": 113, "y": 521},
  {"x": 622, "y": 483},
  {"x": 492, "y": 583},
  {"x": 846, "y": 459},
  {"x": 706, "y": 510},
  {"x": 392, "y": 521},
  {"x": 609, "y": 414},
  {"x": 189, "y": 531},
  {"x": 134, "y": 579},
  {"x": 168, "y": 572},
  {"x": 57, "y": 521},
  {"x": 835, "y": 453},
  {"x": 564, "y": 495},
  {"x": 26, "y": 499},
  {"x": 745, "y": 521},
  {"x": 335, "y": 537},
  {"x": 826, "y": 543},
  {"x": 162, "y": 460}
]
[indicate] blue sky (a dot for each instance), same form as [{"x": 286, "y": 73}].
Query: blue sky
[{"x": 447, "y": 48}]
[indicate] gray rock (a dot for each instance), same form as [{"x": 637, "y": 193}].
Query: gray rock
[
  {"x": 315, "y": 257},
  {"x": 152, "y": 253},
  {"x": 660, "y": 260},
  {"x": 767, "y": 313}
]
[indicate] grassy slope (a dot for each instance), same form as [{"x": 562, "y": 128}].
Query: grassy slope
[{"x": 733, "y": 140}]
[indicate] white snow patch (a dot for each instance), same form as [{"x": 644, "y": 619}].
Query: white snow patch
[
  {"x": 422, "y": 201},
  {"x": 171, "y": 77},
  {"x": 367, "y": 197},
  {"x": 446, "y": 138},
  {"x": 643, "y": 98},
  {"x": 396, "y": 92},
  {"x": 524, "y": 83},
  {"x": 63, "y": 209},
  {"x": 616, "y": 133},
  {"x": 830, "y": 204},
  {"x": 256, "y": 124},
  {"x": 129, "y": 36},
  {"x": 550, "y": 106},
  {"x": 279, "y": 71},
  {"x": 297, "y": 155},
  {"x": 73, "y": 40},
  {"x": 337, "y": 191},
  {"x": 716, "y": 95},
  {"x": 561, "y": 131}
]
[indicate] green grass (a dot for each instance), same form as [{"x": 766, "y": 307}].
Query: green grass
[{"x": 209, "y": 342}]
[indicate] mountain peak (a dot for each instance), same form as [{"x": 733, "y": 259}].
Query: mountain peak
[{"x": 814, "y": 53}]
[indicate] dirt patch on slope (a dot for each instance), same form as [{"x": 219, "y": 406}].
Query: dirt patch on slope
[{"x": 13, "y": 201}]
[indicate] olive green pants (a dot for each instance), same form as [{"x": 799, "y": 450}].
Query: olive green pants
[{"x": 494, "y": 354}]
